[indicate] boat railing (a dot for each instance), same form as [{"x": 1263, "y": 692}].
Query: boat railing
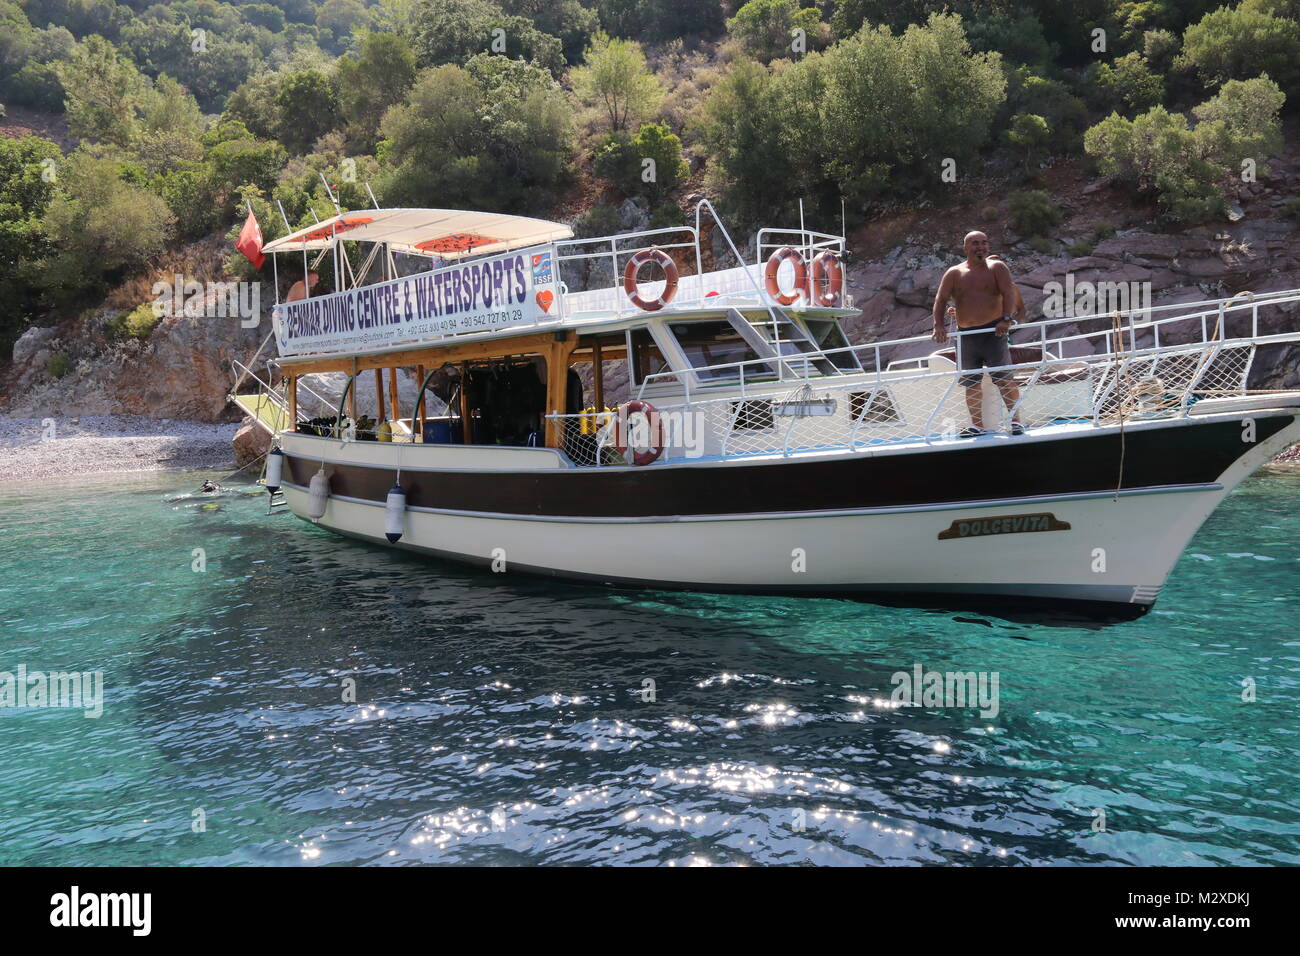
[
  {"x": 1132, "y": 367},
  {"x": 807, "y": 242},
  {"x": 742, "y": 284},
  {"x": 271, "y": 393}
]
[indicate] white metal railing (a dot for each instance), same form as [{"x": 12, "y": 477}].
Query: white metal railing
[
  {"x": 272, "y": 393},
  {"x": 806, "y": 242},
  {"x": 723, "y": 288},
  {"x": 1143, "y": 365}
]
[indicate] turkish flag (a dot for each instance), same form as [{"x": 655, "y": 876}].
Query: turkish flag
[{"x": 250, "y": 241}]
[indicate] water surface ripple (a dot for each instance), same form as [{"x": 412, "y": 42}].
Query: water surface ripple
[{"x": 504, "y": 720}]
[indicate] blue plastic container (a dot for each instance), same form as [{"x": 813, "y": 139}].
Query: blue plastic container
[{"x": 442, "y": 431}]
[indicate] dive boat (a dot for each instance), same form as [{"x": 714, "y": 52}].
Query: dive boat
[{"x": 713, "y": 428}]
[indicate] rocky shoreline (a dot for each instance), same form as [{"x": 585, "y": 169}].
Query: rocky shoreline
[{"x": 40, "y": 448}]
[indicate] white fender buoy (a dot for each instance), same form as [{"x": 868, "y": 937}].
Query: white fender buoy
[
  {"x": 318, "y": 494},
  {"x": 394, "y": 513},
  {"x": 274, "y": 469}
]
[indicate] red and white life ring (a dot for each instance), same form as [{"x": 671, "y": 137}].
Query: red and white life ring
[
  {"x": 634, "y": 265},
  {"x": 772, "y": 272},
  {"x": 623, "y": 436},
  {"x": 827, "y": 279}
]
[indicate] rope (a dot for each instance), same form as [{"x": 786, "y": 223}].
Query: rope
[
  {"x": 247, "y": 466},
  {"x": 1123, "y": 405}
]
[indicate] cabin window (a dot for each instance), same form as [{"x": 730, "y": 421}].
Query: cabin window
[
  {"x": 753, "y": 415},
  {"x": 828, "y": 334},
  {"x": 716, "y": 343},
  {"x": 647, "y": 358}
]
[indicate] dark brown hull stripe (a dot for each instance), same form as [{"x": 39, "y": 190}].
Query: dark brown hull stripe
[{"x": 1190, "y": 454}]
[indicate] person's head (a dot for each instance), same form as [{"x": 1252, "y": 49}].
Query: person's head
[
  {"x": 312, "y": 279},
  {"x": 976, "y": 245}
]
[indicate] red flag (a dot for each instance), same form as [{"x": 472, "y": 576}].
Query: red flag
[{"x": 250, "y": 241}]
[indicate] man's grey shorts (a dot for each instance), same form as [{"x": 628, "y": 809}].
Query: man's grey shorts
[{"x": 984, "y": 349}]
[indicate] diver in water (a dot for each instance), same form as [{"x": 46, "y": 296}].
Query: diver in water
[{"x": 209, "y": 486}]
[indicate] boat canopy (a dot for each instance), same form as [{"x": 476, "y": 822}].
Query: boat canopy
[{"x": 445, "y": 233}]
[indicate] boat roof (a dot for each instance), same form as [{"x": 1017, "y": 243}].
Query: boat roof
[{"x": 446, "y": 233}]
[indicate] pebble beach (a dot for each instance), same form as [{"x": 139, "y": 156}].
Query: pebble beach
[{"x": 37, "y": 448}]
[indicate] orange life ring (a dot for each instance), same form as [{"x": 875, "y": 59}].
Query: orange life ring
[
  {"x": 622, "y": 437},
  {"x": 770, "y": 275},
  {"x": 634, "y": 265},
  {"x": 827, "y": 278}
]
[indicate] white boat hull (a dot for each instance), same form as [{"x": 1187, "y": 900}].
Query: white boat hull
[{"x": 1094, "y": 546}]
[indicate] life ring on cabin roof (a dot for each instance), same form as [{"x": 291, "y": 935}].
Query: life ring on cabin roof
[
  {"x": 771, "y": 275},
  {"x": 623, "y": 432},
  {"x": 827, "y": 279},
  {"x": 634, "y": 265}
]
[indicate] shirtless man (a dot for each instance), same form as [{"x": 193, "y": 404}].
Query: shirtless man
[
  {"x": 300, "y": 290},
  {"x": 988, "y": 304}
]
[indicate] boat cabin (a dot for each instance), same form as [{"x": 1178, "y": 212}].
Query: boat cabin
[{"x": 520, "y": 334}]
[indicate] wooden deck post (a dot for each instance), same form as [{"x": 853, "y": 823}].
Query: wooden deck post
[
  {"x": 557, "y": 379},
  {"x": 467, "y": 433},
  {"x": 291, "y": 386},
  {"x": 598, "y": 374},
  {"x": 352, "y": 392},
  {"x": 392, "y": 392},
  {"x": 418, "y": 425},
  {"x": 381, "y": 416}
]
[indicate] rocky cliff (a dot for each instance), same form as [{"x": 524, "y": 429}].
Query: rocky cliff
[
  {"x": 1257, "y": 249},
  {"x": 183, "y": 368}
]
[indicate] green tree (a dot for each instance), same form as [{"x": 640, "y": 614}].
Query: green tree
[
  {"x": 1033, "y": 212},
  {"x": 255, "y": 104},
  {"x": 1065, "y": 113},
  {"x": 308, "y": 109},
  {"x": 28, "y": 171},
  {"x": 1019, "y": 37},
  {"x": 658, "y": 21},
  {"x": 906, "y": 104},
  {"x": 105, "y": 93},
  {"x": 738, "y": 129},
  {"x": 1129, "y": 82},
  {"x": 336, "y": 19},
  {"x": 238, "y": 159},
  {"x": 615, "y": 79},
  {"x": 496, "y": 134},
  {"x": 656, "y": 142},
  {"x": 1241, "y": 122},
  {"x": 766, "y": 28},
  {"x": 100, "y": 227},
  {"x": 569, "y": 21},
  {"x": 370, "y": 82},
  {"x": 1160, "y": 154},
  {"x": 1236, "y": 44},
  {"x": 1030, "y": 134},
  {"x": 452, "y": 31},
  {"x": 170, "y": 127}
]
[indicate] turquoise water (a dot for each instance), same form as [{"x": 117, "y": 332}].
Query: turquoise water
[{"x": 504, "y": 720}]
